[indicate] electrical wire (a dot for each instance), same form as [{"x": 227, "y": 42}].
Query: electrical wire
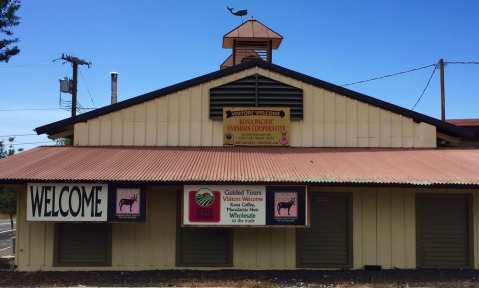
[
  {"x": 24, "y": 65},
  {"x": 462, "y": 62},
  {"x": 425, "y": 88},
  {"x": 389, "y": 75},
  {"x": 30, "y": 143},
  {"x": 39, "y": 109},
  {"x": 87, "y": 88},
  {"x": 18, "y": 135}
]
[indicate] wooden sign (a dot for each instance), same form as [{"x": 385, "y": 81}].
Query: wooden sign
[{"x": 256, "y": 126}]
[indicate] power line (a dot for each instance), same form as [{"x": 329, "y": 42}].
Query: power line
[
  {"x": 25, "y": 65},
  {"x": 87, "y": 88},
  {"x": 463, "y": 62},
  {"x": 31, "y": 143},
  {"x": 425, "y": 88},
  {"x": 389, "y": 75},
  {"x": 18, "y": 135},
  {"x": 39, "y": 109}
]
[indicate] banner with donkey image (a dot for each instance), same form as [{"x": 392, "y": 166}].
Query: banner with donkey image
[
  {"x": 286, "y": 205},
  {"x": 127, "y": 204}
]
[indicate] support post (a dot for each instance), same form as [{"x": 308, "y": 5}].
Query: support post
[
  {"x": 74, "y": 88},
  {"x": 443, "y": 90},
  {"x": 75, "y": 61}
]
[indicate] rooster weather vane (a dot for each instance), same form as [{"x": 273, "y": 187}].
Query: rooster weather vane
[{"x": 240, "y": 13}]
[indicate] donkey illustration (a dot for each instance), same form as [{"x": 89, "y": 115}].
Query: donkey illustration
[
  {"x": 285, "y": 205},
  {"x": 128, "y": 202}
]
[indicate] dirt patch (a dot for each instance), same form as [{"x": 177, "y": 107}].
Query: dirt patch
[
  {"x": 4, "y": 216},
  {"x": 241, "y": 278}
]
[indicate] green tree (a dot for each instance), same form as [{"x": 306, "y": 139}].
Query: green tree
[
  {"x": 8, "y": 20},
  {"x": 8, "y": 197}
]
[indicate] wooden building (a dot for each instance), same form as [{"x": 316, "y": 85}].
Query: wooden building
[{"x": 253, "y": 166}]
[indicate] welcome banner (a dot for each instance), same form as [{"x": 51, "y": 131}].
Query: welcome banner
[{"x": 67, "y": 202}]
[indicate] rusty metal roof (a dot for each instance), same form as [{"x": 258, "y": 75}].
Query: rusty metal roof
[
  {"x": 464, "y": 122},
  {"x": 251, "y": 30},
  {"x": 243, "y": 164}
]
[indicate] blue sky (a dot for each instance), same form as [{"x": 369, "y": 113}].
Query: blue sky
[{"x": 153, "y": 44}]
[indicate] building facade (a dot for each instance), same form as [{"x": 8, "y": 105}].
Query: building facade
[{"x": 159, "y": 181}]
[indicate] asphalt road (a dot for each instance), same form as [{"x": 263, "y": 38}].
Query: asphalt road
[{"x": 6, "y": 234}]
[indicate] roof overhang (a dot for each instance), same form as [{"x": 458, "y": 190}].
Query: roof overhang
[{"x": 163, "y": 165}]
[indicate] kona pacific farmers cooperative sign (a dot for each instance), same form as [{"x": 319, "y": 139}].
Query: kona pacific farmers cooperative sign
[
  {"x": 224, "y": 205},
  {"x": 67, "y": 202},
  {"x": 260, "y": 126}
]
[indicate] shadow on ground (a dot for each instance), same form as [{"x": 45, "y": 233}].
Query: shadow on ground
[{"x": 247, "y": 278}]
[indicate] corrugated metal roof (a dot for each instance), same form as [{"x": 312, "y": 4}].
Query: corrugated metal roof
[
  {"x": 464, "y": 122},
  {"x": 243, "y": 164}
]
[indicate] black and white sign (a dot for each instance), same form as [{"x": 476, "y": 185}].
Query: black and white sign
[{"x": 60, "y": 202}]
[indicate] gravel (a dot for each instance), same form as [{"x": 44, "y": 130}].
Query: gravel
[{"x": 246, "y": 278}]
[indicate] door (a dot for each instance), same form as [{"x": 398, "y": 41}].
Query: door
[
  {"x": 82, "y": 244},
  {"x": 204, "y": 247},
  {"x": 443, "y": 231},
  {"x": 327, "y": 243}
]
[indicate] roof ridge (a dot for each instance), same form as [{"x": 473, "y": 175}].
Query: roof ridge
[{"x": 450, "y": 129}]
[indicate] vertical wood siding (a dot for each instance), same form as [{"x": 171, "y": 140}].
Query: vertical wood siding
[
  {"x": 34, "y": 250},
  {"x": 384, "y": 233},
  {"x": 182, "y": 119},
  {"x": 149, "y": 245},
  {"x": 384, "y": 228},
  {"x": 135, "y": 246},
  {"x": 264, "y": 248}
]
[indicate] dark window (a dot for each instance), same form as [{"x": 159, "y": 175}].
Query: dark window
[
  {"x": 327, "y": 242},
  {"x": 443, "y": 231},
  {"x": 256, "y": 91},
  {"x": 204, "y": 247},
  {"x": 83, "y": 244}
]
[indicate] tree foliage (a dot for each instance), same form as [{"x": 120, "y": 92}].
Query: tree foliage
[
  {"x": 8, "y": 20},
  {"x": 8, "y": 197},
  {"x": 8, "y": 201}
]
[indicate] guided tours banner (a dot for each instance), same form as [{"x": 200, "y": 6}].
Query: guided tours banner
[
  {"x": 224, "y": 205},
  {"x": 243, "y": 205},
  {"x": 260, "y": 126},
  {"x": 67, "y": 202}
]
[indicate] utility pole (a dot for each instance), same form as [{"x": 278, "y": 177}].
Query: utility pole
[
  {"x": 75, "y": 61},
  {"x": 443, "y": 90}
]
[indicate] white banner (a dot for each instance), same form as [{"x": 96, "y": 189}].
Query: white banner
[
  {"x": 235, "y": 205},
  {"x": 62, "y": 202}
]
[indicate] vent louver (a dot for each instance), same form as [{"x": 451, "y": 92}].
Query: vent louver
[{"x": 256, "y": 91}]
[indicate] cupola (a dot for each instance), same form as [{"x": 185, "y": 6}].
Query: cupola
[{"x": 252, "y": 40}]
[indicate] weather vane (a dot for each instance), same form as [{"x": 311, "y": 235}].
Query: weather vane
[{"x": 240, "y": 13}]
